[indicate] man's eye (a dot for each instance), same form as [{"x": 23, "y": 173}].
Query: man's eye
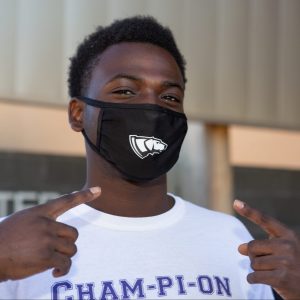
[
  {"x": 170, "y": 98},
  {"x": 124, "y": 92}
]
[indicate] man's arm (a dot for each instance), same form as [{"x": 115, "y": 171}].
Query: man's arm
[
  {"x": 275, "y": 261},
  {"x": 32, "y": 241}
]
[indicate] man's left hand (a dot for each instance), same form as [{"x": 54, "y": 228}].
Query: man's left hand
[{"x": 275, "y": 261}]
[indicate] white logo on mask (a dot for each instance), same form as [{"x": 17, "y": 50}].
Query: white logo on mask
[{"x": 144, "y": 146}]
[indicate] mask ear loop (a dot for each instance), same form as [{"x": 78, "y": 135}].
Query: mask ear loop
[
  {"x": 94, "y": 147},
  {"x": 100, "y": 118}
]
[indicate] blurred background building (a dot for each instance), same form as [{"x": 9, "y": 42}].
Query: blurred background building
[{"x": 242, "y": 99}]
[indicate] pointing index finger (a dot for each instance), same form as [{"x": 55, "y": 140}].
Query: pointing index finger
[
  {"x": 57, "y": 207},
  {"x": 270, "y": 225}
]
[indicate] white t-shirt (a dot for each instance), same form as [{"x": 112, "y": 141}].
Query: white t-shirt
[{"x": 186, "y": 253}]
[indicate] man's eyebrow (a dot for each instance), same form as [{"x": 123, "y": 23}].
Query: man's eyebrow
[
  {"x": 173, "y": 84},
  {"x": 124, "y": 76},
  {"x": 135, "y": 78}
]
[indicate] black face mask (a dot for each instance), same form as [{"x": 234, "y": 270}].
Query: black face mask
[{"x": 142, "y": 141}]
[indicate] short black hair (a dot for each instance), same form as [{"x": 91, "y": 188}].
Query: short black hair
[{"x": 134, "y": 29}]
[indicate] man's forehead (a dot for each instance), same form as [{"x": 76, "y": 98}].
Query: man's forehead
[
  {"x": 135, "y": 59},
  {"x": 136, "y": 47}
]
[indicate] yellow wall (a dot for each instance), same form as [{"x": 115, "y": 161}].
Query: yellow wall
[
  {"x": 266, "y": 148},
  {"x": 37, "y": 129},
  {"x": 45, "y": 129}
]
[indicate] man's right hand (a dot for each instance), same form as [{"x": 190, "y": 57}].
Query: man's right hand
[{"x": 32, "y": 241}]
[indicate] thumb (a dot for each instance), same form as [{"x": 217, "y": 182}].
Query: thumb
[
  {"x": 57, "y": 207},
  {"x": 243, "y": 249}
]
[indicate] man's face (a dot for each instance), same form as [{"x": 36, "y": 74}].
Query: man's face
[
  {"x": 134, "y": 73},
  {"x": 137, "y": 73}
]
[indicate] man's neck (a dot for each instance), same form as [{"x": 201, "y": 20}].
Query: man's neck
[{"x": 124, "y": 198}]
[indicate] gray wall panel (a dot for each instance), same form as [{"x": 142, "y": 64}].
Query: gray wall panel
[
  {"x": 276, "y": 192},
  {"x": 243, "y": 55}
]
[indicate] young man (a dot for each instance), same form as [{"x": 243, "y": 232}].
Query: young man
[{"x": 126, "y": 85}]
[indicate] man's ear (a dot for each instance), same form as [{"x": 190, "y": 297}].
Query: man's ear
[{"x": 76, "y": 109}]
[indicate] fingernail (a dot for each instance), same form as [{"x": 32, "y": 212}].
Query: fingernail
[
  {"x": 95, "y": 190},
  {"x": 56, "y": 272},
  {"x": 239, "y": 204}
]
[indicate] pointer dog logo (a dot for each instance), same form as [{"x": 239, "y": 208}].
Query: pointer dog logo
[{"x": 144, "y": 146}]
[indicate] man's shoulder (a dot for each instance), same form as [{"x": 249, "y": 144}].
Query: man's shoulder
[
  {"x": 213, "y": 219},
  {"x": 197, "y": 209}
]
